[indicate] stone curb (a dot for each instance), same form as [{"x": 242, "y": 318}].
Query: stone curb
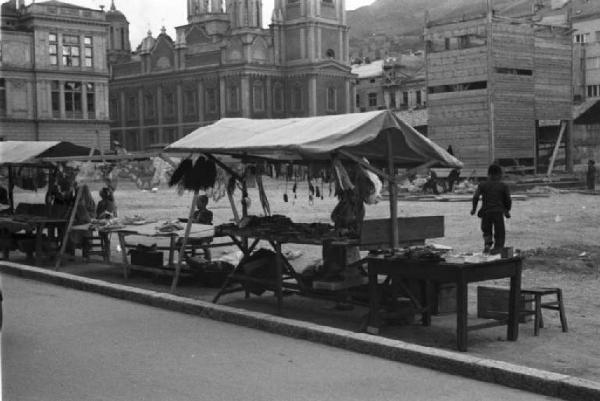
[{"x": 502, "y": 373}]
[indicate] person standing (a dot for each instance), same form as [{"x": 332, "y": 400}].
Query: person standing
[
  {"x": 496, "y": 204},
  {"x": 591, "y": 175}
]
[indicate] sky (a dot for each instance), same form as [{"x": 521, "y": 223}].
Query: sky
[{"x": 144, "y": 15}]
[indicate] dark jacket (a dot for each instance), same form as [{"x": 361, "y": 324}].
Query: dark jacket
[{"x": 495, "y": 197}]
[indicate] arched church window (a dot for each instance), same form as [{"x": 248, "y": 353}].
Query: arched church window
[
  {"x": 330, "y": 53},
  {"x": 278, "y": 97},
  {"x": 258, "y": 96},
  {"x": 331, "y": 99},
  {"x": 297, "y": 98}
]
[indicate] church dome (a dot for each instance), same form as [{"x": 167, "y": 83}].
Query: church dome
[{"x": 114, "y": 15}]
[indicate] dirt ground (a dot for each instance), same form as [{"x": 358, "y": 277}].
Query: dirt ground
[{"x": 558, "y": 233}]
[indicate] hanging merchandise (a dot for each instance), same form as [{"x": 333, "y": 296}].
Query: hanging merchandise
[
  {"x": 343, "y": 179},
  {"x": 262, "y": 195},
  {"x": 372, "y": 186},
  {"x": 201, "y": 175},
  {"x": 285, "y": 194},
  {"x": 295, "y": 188},
  {"x": 181, "y": 170}
]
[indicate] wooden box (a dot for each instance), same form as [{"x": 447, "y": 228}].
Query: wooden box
[{"x": 492, "y": 303}]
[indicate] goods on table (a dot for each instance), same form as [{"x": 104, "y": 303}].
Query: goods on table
[
  {"x": 169, "y": 227},
  {"x": 134, "y": 220},
  {"x": 106, "y": 224}
]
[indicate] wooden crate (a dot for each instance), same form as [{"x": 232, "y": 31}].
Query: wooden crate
[{"x": 492, "y": 303}]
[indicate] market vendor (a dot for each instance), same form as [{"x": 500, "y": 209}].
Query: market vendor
[{"x": 348, "y": 216}]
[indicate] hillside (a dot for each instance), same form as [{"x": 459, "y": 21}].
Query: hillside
[{"x": 401, "y": 21}]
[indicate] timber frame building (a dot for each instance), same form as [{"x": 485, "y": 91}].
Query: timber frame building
[
  {"x": 491, "y": 80},
  {"x": 222, "y": 63}
]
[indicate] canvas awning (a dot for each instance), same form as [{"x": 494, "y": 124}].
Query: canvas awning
[
  {"x": 317, "y": 138},
  {"x": 26, "y": 152}
]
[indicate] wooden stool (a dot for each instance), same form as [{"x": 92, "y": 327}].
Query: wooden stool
[{"x": 538, "y": 293}]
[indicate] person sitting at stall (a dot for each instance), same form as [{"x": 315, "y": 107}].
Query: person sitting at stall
[
  {"x": 202, "y": 215},
  {"x": 431, "y": 183},
  {"x": 84, "y": 212},
  {"x": 4, "y": 201},
  {"x": 107, "y": 209},
  {"x": 453, "y": 178}
]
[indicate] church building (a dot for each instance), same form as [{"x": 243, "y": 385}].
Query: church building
[{"x": 223, "y": 63}]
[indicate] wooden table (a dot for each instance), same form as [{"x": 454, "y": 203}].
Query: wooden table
[
  {"x": 32, "y": 223},
  {"x": 286, "y": 278},
  {"x": 461, "y": 274},
  {"x": 149, "y": 230}
]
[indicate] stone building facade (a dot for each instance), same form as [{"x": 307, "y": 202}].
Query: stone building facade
[
  {"x": 396, "y": 83},
  {"x": 222, "y": 63},
  {"x": 53, "y": 73}
]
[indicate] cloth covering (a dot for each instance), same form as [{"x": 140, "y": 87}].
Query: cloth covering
[
  {"x": 28, "y": 151},
  {"x": 316, "y": 138}
]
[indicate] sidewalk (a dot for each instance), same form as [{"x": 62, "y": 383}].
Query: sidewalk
[{"x": 528, "y": 364}]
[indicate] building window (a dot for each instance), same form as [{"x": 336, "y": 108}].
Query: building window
[
  {"x": 131, "y": 140},
  {"x": 114, "y": 109},
  {"x": 211, "y": 100},
  {"x": 467, "y": 86},
  {"x": 419, "y": 97},
  {"x": 330, "y": 53},
  {"x": 582, "y": 38},
  {"x": 149, "y": 108},
  {"x": 70, "y": 51},
  {"x": 357, "y": 100},
  {"x": 53, "y": 48},
  {"x": 152, "y": 136},
  {"x": 233, "y": 98},
  {"x": 331, "y": 100},
  {"x": 258, "y": 97},
  {"x": 91, "y": 100},
  {"x": 278, "y": 98},
  {"x": 88, "y": 51},
  {"x": 55, "y": 97},
  {"x": 169, "y": 106},
  {"x": 372, "y": 99},
  {"x": 132, "y": 110},
  {"x": 2, "y": 96},
  {"x": 593, "y": 90},
  {"x": 405, "y": 99},
  {"x": 189, "y": 100},
  {"x": 297, "y": 98},
  {"x": 73, "y": 98},
  {"x": 170, "y": 135}
]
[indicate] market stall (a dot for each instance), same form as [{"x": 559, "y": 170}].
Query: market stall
[
  {"x": 27, "y": 162},
  {"x": 375, "y": 143}
]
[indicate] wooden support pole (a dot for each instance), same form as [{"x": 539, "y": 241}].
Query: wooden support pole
[
  {"x": 563, "y": 126},
  {"x": 11, "y": 188},
  {"x": 63, "y": 245},
  {"x": 393, "y": 189},
  {"x": 188, "y": 228}
]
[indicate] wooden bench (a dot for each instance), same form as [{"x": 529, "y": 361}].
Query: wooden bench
[{"x": 376, "y": 233}]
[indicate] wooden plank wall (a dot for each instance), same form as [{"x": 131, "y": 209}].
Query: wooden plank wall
[
  {"x": 553, "y": 73},
  {"x": 459, "y": 119},
  {"x": 513, "y": 91}
]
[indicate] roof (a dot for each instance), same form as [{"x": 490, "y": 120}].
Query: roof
[
  {"x": 587, "y": 112},
  {"x": 370, "y": 70},
  {"x": 20, "y": 152},
  {"x": 316, "y": 139},
  {"x": 115, "y": 15},
  {"x": 415, "y": 118},
  {"x": 63, "y": 4}
]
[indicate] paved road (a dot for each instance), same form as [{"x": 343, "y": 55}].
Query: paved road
[{"x": 61, "y": 344}]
